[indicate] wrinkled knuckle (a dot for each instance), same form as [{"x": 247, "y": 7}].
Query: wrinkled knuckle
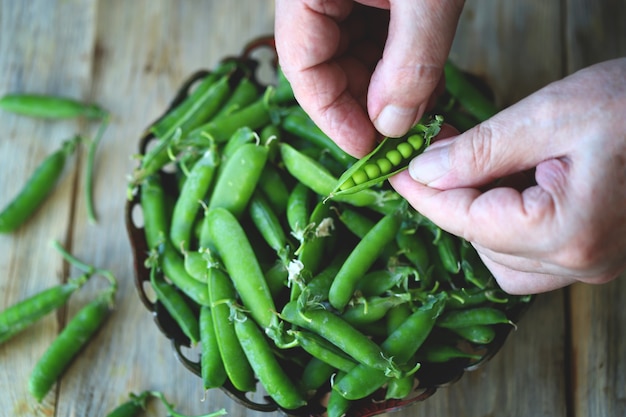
[{"x": 482, "y": 148}]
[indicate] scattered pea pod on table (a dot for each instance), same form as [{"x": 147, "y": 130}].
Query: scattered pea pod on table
[{"x": 304, "y": 266}]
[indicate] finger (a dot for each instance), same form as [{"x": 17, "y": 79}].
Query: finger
[
  {"x": 521, "y": 283},
  {"x": 502, "y": 219},
  {"x": 418, "y": 43},
  {"x": 306, "y": 40}
]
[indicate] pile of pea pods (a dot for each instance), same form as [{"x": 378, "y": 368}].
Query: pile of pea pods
[{"x": 293, "y": 265}]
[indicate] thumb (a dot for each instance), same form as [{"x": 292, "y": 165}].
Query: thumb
[
  {"x": 417, "y": 46},
  {"x": 491, "y": 150}
]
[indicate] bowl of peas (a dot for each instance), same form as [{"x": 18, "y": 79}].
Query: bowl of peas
[{"x": 306, "y": 283}]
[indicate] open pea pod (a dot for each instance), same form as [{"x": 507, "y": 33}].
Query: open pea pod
[{"x": 391, "y": 156}]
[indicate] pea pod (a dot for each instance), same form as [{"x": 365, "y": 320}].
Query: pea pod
[
  {"x": 470, "y": 317},
  {"x": 387, "y": 159},
  {"x": 132, "y": 407},
  {"x": 19, "y": 316},
  {"x": 233, "y": 357},
  {"x": 241, "y": 263},
  {"x": 480, "y": 334},
  {"x": 261, "y": 357},
  {"x": 66, "y": 345},
  {"x": 212, "y": 368},
  {"x": 50, "y": 107},
  {"x": 190, "y": 197},
  {"x": 361, "y": 259},
  {"x": 298, "y": 123},
  {"x": 254, "y": 116},
  {"x": 309, "y": 172},
  {"x": 323, "y": 350},
  {"x": 315, "y": 374},
  {"x": 268, "y": 224},
  {"x": 238, "y": 179},
  {"x": 440, "y": 353},
  {"x": 362, "y": 380},
  {"x": 467, "y": 94},
  {"x": 37, "y": 188},
  {"x": 340, "y": 333},
  {"x": 203, "y": 102},
  {"x": 176, "y": 306}
]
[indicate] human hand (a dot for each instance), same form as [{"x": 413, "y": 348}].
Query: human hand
[
  {"x": 357, "y": 70},
  {"x": 542, "y": 230}
]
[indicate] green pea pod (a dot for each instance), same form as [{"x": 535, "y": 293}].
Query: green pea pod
[
  {"x": 369, "y": 310},
  {"x": 173, "y": 266},
  {"x": 298, "y": 123},
  {"x": 212, "y": 367},
  {"x": 50, "y": 107},
  {"x": 255, "y": 116},
  {"x": 190, "y": 197},
  {"x": 474, "y": 316},
  {"x": 132, "y": 407},
  {"x": 37, "y": 188},
  {"x": 390, "y": 157},
  {"x": 323, "y": 350},
  {"x": 235, "y": 251},
  {"x": 440, "y": 353},
  {"x": 401, "y": 344},
  {"x": 480, "y": 334},
  {"x": 309, "y": 172},
  {"x": 236, "y": 364},
  {"x": 155, "y": 214},
  {"x": 67, "y": 344},
  {"x": 342, "y": 334},
  {"x": 315, "y": 374},
  {"x": 261, "y": 357},
  {"x": 470, "y": 98},
  {"x": 298, "y": 209},
  {"x": 338, "y": 405},
  {"x": 238, "y": 179},
  {"x": 361, "y": 259},
  {"x": 268, "y": 224},
  {"x": 203, "y": 102},
  {"x": 176, "y": 306},
  {"x": 400, "y": 388},
  {"x": 19, "y": 316},
  {"x": 245, "y": 93},
  {"x": 274, "y": 188}
]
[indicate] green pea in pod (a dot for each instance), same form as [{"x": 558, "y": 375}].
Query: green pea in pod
[{"x": 390, "y": 157}]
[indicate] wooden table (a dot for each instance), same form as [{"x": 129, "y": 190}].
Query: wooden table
[{"x": 568, "y": 357}]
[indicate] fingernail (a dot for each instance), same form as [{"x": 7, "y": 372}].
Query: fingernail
[
  {"x": 431, "y": 165},
  {"x": 394, "y": 121}
]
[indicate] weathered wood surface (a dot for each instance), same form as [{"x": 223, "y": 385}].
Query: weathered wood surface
[{"x": 566, "y": 359}]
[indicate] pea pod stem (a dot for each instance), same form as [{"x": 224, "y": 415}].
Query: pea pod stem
[
  {"x": 91, "y": 157},
  {"x": 137, "y": 403},
  {"x": 87, "y": 268}
]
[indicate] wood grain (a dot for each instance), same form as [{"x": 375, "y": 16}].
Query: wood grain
[{"x": 567, "y": 358}]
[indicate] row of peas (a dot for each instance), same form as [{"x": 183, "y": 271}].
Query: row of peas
[{"x": 295, "y": 266}]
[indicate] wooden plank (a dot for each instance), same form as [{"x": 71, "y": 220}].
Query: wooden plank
[
  {"x": 144, "y": 51},
  {"x": 44, "y": 48},
  {"x": 515, "y": 46},
  {"x": 599, "y": 349},
  {"x": 595, "y": 32}
]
